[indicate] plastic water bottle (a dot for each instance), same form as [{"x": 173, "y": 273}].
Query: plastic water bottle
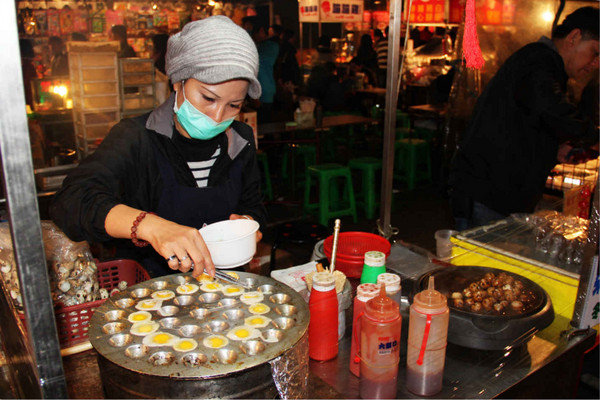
[
  {"x": 373, "y": 266},
  {"x": 379, "y": 348},
  {"x": 427, "y": 334},
  {"x": 364, "y": 293},
  {"x": 323, "y": 324}
]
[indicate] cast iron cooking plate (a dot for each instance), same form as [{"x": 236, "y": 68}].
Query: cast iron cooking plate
[{"x": 490, "y": 330}]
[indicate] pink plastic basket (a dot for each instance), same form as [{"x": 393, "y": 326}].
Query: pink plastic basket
[{"x": 72, "y": 322}]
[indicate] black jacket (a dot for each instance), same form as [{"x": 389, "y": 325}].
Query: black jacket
[
  {"x": 123, "y": 170},
  {"x": 512, "y": 141}
]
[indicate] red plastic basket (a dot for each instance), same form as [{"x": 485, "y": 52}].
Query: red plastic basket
[
  {"x": 351, "y": 250},
  {"x": 72, "y": 322}
]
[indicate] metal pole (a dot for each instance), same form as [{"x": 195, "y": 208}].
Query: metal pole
[
  {"x": 389, "y": 124},
  {"x": 17, "y": 167}
]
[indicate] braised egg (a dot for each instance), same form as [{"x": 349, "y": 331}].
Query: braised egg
[
  {"x": 259, "y": 308},
  {"x": 232, "y": 290},
  {"x": 148, "y": 304},
  {"x": 211, "y": 287},
  {"x": 185, "y": 344},
  {"x": 187, "y": 288},
  {"x": 257, "y": 321},
  {"x": 215, "y": 341},
  {"x": 251, "y": 297},
  {"x": 144, "y": 328},
  {"x": 163, "y": 295},
  {"x": 139, "y": 316},
  {"x": 243, "y": 333},
  {"x": 157, "y": 339}
]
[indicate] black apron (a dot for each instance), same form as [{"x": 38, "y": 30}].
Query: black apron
[{"x": 191, "y": 206}]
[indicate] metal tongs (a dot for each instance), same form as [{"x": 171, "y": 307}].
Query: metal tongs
[{"x": 228, "y": 278}]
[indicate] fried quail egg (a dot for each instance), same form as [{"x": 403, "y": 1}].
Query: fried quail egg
[
  {"x": 211, "y": 287},
  {"x": 257, "y": 321},
  {"x": 243, "y": 333},
  {"x": 233, "y": 274},
  {"x": 139, "y": 316},
  {"x": 144, "y": 328},
  {"x": 163, "y": 295},
  {"x": 259, "y": 308},
  {"x": 251, "y": 297},
  {"x": 232, "y": 290},
  {"x": 184, "y": 345},
  {"x": 215, "y": 341},
  {"x": 205, "y": 278},
  {"x": 157, "y": 339},
  {"x": 187, "y": 288},
  {"x": 148, "y": 304}
]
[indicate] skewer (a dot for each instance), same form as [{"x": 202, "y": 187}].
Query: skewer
[{"x": 336, "y": 232}]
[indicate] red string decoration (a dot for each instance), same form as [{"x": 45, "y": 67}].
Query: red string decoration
[{"x": 471, "y": 49}]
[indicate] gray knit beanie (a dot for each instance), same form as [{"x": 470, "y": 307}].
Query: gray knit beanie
[{"x": 213, "y": 50}]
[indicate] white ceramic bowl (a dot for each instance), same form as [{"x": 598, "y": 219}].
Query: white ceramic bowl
[{"x": 232, "y": 242}]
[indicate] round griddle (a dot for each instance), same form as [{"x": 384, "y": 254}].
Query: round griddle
[{"x": 490, "y": 330}]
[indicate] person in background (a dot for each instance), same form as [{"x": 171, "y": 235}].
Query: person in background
[
  {"x": 27, "y": 68},
  {"x": 119, "y": 33},
  {"x": 159, "y": 52},
  {"x": 381, "y": 48},
  {"x": 59, "y": 62},
  {"x": 267, "y": 55},
  {"x": 157, "y": 178},
  {"x": 521, "y": 122},
  {"x": 366, "y": 58}
]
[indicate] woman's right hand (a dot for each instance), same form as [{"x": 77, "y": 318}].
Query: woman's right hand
[
  {"x": 183, "y": 242},
  {"x": 181, "y": 246}
]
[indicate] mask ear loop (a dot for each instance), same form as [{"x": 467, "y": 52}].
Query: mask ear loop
[{"x": 175, "y": 108}]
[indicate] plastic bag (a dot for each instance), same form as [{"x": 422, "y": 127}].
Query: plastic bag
[{"x": 71, "y": 267}]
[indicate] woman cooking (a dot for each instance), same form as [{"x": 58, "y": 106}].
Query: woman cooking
[{"x": 157, "y": 178}]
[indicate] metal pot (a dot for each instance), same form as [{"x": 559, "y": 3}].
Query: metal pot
[
  {"x": 241, "y": 369},
  {"x": 491, "y": 330}
]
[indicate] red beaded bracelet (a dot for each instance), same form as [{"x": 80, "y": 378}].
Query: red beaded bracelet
[{"x": 136, "y": 222}]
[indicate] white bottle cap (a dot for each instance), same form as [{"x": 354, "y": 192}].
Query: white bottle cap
[
  {"x": 366, "y": 291},
  {"x": 374, "y": 258},
  {"x": 392, "y": 282}
]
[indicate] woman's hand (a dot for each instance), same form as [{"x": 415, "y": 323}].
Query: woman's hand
[
  {"x": 181, "y": 246},
  {"x": 183, "y": 242},
  {"x": 237, "y": 216}
]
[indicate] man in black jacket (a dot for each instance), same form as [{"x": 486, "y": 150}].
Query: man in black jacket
[{"x": 519, "y": 122}]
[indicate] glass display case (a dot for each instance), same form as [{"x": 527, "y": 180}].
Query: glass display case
[{"x": 51, "y": 94}]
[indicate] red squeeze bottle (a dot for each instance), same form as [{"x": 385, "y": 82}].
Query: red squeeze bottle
[
  {"x": 380, "y": 348},
  {"x": 364, "y": 293},
  {"x": 323, "y": 325}
]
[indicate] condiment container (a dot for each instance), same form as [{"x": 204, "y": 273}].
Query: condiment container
[
  {"x": 323, "y": 325},
  {"x": 373, "y": 266},
  {"x": 392, "y": 286},
  {"x": 364, "y": 293},
  {"x": 427, "y": 334},
  {"x": 379, "y": 348}
]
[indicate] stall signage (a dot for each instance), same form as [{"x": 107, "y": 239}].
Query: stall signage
[
  {"x": 427, "y": 11},
  {"x": 591, "y": 310},
  {"x": 341, "y": 10},
  {"x": 308, "y": 10},
  {"x": 457, "y": 9},
  {"x": 489, "y": 12}
]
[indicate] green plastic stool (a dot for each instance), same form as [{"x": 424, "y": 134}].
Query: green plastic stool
[
  {"x": 307, "y": 152},
  {"x": 263, "y": 161},
  {"x": 424, "y": 133},
  {"x": 367, "y": 197},
  {"x": 330, "y": 204},
  {"x": 402, "y": 119},
  {"x": 412, "y": 161}
]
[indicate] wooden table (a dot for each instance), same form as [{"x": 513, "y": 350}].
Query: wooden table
[{"x": 277, "y": 133}]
